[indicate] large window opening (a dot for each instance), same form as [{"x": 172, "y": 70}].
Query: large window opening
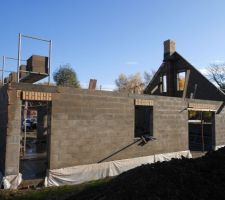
[
  {"x": 143, "y": 121},
  {"x": 181, "y": 81},
  {"x": 201, "y": 130}
]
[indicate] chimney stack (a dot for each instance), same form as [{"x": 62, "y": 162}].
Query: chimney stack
[
  {"x": 92, "y": 84},
  {"x": 169, "y": 48}
]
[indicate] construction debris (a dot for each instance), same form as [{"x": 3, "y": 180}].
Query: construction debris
[{"x": 201, "y": 178}]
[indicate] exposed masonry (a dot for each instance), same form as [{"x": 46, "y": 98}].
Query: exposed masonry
[{"x": 93, "y": 126}]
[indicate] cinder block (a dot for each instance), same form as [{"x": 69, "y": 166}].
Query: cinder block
[{"x": 38, "y": 64}]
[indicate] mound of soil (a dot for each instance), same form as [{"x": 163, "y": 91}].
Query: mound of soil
[{"x": 201, "y": 178}]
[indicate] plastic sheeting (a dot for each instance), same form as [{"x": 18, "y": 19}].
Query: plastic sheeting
[
  {"x": 84, "y": 173},
  {"x": 169, "y": 156},
  {"x": 1, "y": 178},
  {"x": 11, "y": 181},
  {"x": 218, "y": 147}
]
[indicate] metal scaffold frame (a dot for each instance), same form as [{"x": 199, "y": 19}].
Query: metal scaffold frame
[
  {"x": 20, "y": 49},
  {"x": 18, "y": 59},
  {"x": 4, "y": 62}
]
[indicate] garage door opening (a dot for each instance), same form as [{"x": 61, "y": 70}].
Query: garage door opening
[{"x": 201, "y": 130}]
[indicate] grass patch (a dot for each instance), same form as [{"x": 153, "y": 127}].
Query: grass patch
[{"x": 51, "y": 193}]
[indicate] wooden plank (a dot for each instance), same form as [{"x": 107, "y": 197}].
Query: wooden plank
[
  {"x": 154, "y": 89},
  {"x": 186, "y": 83}
]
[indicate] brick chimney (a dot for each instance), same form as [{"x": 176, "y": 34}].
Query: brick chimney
[
  {"x": 169, "y": 48},
  {"x": 92, "y": 84}
]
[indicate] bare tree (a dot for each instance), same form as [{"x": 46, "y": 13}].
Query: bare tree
[
  {"x": 132, "y": 83},
  {"x": 216, "y": 73},
  {"x": 135, "y": 83},
  {"x": 121, "y": 82},
  {"x": 148, "y": 76}
]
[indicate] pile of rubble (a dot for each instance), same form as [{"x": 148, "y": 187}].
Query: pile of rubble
[{"x": 200, "y": 178}]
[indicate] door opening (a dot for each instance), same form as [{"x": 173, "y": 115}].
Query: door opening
[{"x": 35, "y": 131}]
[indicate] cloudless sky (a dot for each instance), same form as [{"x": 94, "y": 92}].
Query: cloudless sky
[{"x": 103, "y": 38}]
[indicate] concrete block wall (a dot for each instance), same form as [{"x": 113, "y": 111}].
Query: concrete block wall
[
  {"x": 170, "y": 124},
  {"x": 93, "y": 126},
  {"x": 89, "y": 127},
  {"x": 33, "y": 87},
  {"x": 10, "y": 126},
  {"x": 12, "y": 155},
  {"x": 83, "y": 125},
  {"x": 220, "y": 127},
  {"x": 3, "y": 125}
]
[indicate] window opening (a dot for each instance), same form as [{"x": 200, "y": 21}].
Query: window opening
[
  {"x": 143, "y": 121},
  {"x": 181, "y": 81}
]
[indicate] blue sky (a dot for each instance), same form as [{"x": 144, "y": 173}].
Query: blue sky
[{"x": 103, "y": 38}]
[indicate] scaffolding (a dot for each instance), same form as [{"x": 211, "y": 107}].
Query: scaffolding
[{"x": 18, "y": 59}]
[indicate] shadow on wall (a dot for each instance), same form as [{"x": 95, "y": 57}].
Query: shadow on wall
[{"x": 142, "y": 141}]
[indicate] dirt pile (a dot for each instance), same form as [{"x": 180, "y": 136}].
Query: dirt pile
[{"x": 201, "y": 178}]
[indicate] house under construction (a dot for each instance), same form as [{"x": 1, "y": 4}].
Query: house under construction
[{"x": 79, "y": 135}]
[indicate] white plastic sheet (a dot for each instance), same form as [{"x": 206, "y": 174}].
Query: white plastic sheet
[
  {"x": 169, "y": 156},
  {"x": 218, "y": 147},
  {"x": 84, "y": 173},
  {"x": 11, "y": 181},
  {"x": 1, "y": 178}
]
